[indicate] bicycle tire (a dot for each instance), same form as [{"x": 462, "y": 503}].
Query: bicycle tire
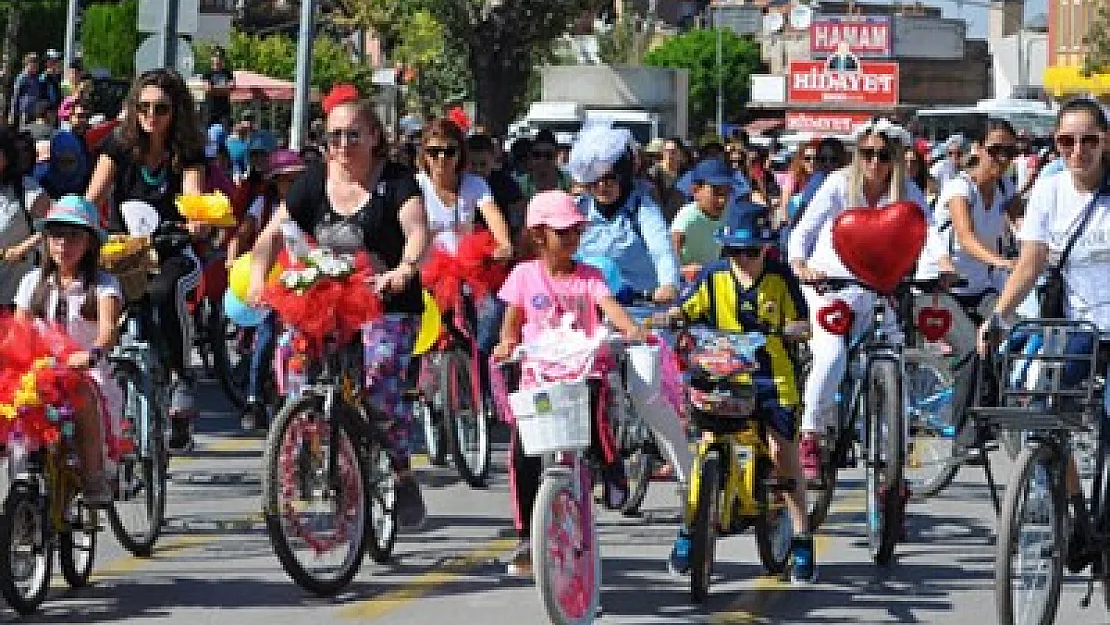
[
  {"x": 467, "y": 423},
  {"x": 382, "y": 499},
  {"x": 234, "y": 379},
  {"x": 932, "y": 484},
  {"x": 77, "y": 569},
  {"x": 1038, "y": 455},
  {"x": 639, "y": 467},
  {"x": 556, "y": 492},
  {"x": 885, "y": 459},
  {"x": 274, "y": 487},
  {"x": 146, "y": 472},
  {"x": 773, "y": 531},
  {"x": 431, "y": 419},
  {"x": 703, "y": 532},
  {"x": 22, "y": 506}
]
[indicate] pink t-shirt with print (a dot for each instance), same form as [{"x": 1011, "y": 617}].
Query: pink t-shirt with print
[{"x": 545, "y": 298}]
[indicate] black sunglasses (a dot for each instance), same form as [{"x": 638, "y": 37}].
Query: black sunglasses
[
  {"x": 1002, "y": 150},
  {"x": 1067, "y": 142},
  {"x": 159, "y": 108},
  {"x": 744, "y": 252},
  {"x": 336, "y": 137},
  {"x": 882, "y": 154},
  {"x": 450, "y": 151}
]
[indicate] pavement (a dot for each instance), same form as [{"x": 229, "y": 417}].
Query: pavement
[{"x": 214, "y": 563}]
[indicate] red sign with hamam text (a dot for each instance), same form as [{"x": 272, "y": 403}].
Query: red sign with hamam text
[{"x": 821, "y": 82}]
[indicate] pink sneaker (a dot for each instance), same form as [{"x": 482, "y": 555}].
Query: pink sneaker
[{"x": 809, "y": 449}]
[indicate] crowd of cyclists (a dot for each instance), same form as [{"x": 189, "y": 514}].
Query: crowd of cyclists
[{"x": 716, "y": 234}]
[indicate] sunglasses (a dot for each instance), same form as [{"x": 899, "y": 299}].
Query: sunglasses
[
  {"x": 543, "y": 154},
  {"x": 160, "y": 108},
  {"x": 338, "y": 136},
  {"x": 744, "y": 252},
  {"x": 1002, "y": 151},
  {"x": 883, "y": 155},
  {"x": 67, "y": 233},
  {"x": 450, "y": 151},
  {"x": 1067, "y": 142}
]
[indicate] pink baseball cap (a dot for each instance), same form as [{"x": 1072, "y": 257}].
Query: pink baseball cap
[{"x": 555, "y": 209}]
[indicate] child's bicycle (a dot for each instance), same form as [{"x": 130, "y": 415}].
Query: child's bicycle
[
  {"x": 554, "y": 421},
  {"x": 732, "y": 486},
  {"x": 44, "y": 511}
]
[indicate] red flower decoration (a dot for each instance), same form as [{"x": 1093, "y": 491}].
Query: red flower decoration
[
  {"x": 340, "y": 94},
  {"x": 459, "y": 117},
  {"x": 445, "y": 273}
]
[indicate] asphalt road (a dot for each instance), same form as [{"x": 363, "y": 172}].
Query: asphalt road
[{"x": 214, "y": 563}]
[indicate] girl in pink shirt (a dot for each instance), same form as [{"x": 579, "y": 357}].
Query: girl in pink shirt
[{"x": 538, "y": 294}]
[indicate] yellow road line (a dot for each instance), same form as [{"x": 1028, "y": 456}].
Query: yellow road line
[
  {"x": 424, "y": 584},
  {"x": 129, "y": 564},
  {"x": 767, "y": 589}
]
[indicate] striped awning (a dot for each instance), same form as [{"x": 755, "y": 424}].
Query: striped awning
[{"x": 1065, "y": 80}]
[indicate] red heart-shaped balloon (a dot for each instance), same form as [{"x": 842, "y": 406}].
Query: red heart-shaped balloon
[
  {"x": 934, "y": 323},
  {"x": 835, "y": 318},
  {"x": 880, "y": 245}
]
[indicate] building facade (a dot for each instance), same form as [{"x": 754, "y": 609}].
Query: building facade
[{"x": 1068, "y": 24}]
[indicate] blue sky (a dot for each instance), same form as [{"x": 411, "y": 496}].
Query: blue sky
[{"x": 974, "y": 11}]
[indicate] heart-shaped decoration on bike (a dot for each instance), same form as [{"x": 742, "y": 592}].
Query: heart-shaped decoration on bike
[
  {"x": 934, "y": 323},
  {"x": 880, "y": 245},
  {"x": 836, "y": 317}
]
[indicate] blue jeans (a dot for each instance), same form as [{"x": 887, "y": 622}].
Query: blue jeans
[
  {"x": 263, "y": 354},
  {"x": 491, "y": 313}
]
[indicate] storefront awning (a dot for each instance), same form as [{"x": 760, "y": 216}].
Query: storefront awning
[{"x": 1064, "y": 80}]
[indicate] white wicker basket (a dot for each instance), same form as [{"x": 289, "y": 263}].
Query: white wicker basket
[{"x": 553, "y": 417}]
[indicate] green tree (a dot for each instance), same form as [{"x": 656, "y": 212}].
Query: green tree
[
  {"x": 697, "y": 52},
  {"x": 626, "y": 42},
  {"x": 276, "y": 56},
  {"x": 110, "y": 37},
  {"x": 1097, "y": 59}
]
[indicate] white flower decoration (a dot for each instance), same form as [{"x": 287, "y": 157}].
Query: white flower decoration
[{"x": 885, "y": 127}]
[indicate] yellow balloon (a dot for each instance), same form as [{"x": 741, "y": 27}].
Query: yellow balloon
[
  {"x": 239, "y": 278},
  {"x": 429, "y": 326}
]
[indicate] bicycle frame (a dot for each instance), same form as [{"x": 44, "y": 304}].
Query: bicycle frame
[
  {"x": 746, "y": 463},
  {"x": 138, "y": 353}
]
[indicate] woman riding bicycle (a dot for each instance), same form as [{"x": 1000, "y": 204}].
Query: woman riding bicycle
[
  {"x": 1071, "y": 207},
  {"x": 875, "y": 178},
  {"x": 158, "y": 154},
  {"x": 973, "y": 217},
  {"x": 625, "y": 224},
  {"x": 358, "y": 201}
]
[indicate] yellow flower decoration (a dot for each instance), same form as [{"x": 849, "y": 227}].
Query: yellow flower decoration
[
  {"x": 7, "y": 411},
  {"x": 213, "y": 209}
]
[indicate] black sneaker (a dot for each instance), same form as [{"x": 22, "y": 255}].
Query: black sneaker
[
  {"x": 411, "y": 512},
  {"x": 803, "y": 569},
  {"x": 181, "y": 435},
  {"x": 253, "y": 417},
  {"x": 1078, "y": 556}
]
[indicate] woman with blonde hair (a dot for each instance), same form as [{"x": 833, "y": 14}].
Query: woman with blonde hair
[{"x": 875, "y": 178}]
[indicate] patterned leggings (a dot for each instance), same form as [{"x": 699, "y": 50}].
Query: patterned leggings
[{"x": 387, "y": 350}]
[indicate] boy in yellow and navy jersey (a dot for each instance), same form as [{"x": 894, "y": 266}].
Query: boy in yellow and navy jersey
[{"x": 746, "y": 292}]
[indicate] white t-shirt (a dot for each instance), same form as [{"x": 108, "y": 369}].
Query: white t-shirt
[
  {"x": 14, "y": 229},
  {"x": 80, "y": 329},
  {"x": 989, "y": 226},
  {"x": 942, "y": 171},
  {"x": 449, "y": 222},
  {"x": 1052, "y": 214},
  {"x": 811, "y": 239}
]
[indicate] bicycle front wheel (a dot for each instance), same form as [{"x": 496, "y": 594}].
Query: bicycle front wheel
[
  {"x": 934, "y": 423},
  {"x": 1029, "y": 565},
  {"x": 468, "y": 422},
  {"x": 316, "y": 514},
  {"x": 77, "y": 546},
  {"x": 26, "y": 554},
  {"x": 565, "y": 552},
  {"x": 886, "y": 494},
  {"x": 137, "y": 516},
  {"x": 383, "y": 504},
  {"x": 703, "y": 533}
]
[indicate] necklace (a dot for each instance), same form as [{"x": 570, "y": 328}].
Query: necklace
[{"x": 154, "y": 179}]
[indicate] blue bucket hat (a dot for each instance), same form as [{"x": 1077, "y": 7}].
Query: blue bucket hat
[
  {"x": 746, "y": 224},
  {"x": 74, "y": 210},
  {"x": 712, "y": 171}
]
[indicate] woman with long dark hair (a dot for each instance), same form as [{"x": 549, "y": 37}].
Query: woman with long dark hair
[
  {"x": 156, "y": 155},
  {"x": 21, "y": 201}
]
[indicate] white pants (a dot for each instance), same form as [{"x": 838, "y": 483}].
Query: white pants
[
  {"x": 829, "y": 354},
  {"x": 653, "y": 408}
]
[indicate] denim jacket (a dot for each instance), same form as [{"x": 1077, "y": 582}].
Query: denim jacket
[{"x": 636, "y": 238}]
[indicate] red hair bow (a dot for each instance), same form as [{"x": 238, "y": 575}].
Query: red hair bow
[
  {"x": 340, "y": 94},
  {"x": 460, "y": 118}
]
